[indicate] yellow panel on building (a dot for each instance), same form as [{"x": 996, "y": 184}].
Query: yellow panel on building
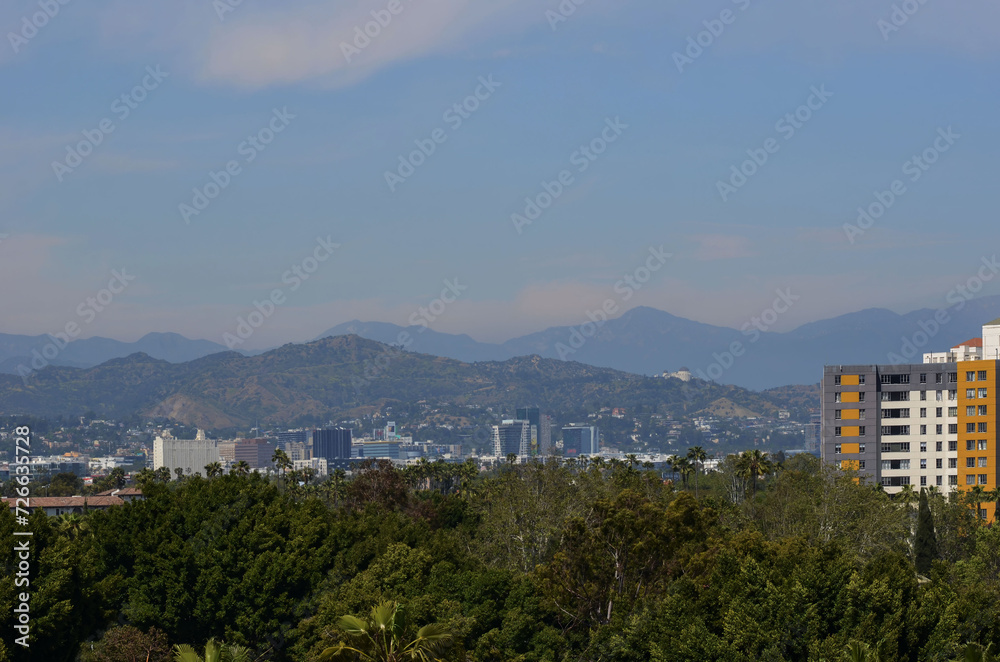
[
  {"x": 850, "y": 414},
  {"x": 850, "y": 465},
  {"x": 978, "y": 445},
  {"x": 849, "y": 380},
  {"x": 850, "y": 448},
  {"x": 850, "y": 431},
  {"x": 849, "y": 397}
]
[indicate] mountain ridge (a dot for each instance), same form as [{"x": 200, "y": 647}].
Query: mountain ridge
[{"x": 642, "y": 340}]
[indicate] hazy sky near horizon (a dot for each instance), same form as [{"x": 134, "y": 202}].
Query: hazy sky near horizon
[{"x": 674, "y": 129}]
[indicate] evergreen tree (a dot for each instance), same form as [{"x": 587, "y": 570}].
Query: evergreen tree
[{"x": 925, "y": 544}]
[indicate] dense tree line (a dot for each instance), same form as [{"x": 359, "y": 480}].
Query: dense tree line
[{"x": 538, "y": 562}]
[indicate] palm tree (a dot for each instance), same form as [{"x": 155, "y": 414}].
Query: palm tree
[
  {"x": 214, "y": 652},
  {"x": 673, "y": 460},
  {"x": 977, "y": 653},
  {"x": 281, "y": 460},
  {"x": 754, "y": 464},
  {"x": 117, "y": 478},
  {"x": 213, "y": 470},
  {"x": 382, "y": 637},
  {"x": 994, "y": 496},
  {"x": 908, "y": 495},
  {"x": 975, "y": 497},
  {"x": 241, "y": 469},
  {"x": 179, "y": 472},
  {"x": 73, "y": 525},
  {"x": 858, "y": 651},
  {"x": 697, "y": 455}
]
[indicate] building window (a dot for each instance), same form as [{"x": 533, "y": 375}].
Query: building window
[
  {"x": 861, "y": 433},
  {"x": 923, "y": 446},
  {"x": 982, "y": 513},
  {"x": 970, "y": 410},
  {"x": 923, "y": 378},
  {"x": 983, "y": 464},
  {"x": 952, "y": 396},
  {"x": 836, "y": 449},
  {"x": 861, "y": 447},
  {"x": 923, "y": 464},
  {"x": 969, "y": 427},
  {"x": 970, "y": 479},
  {"x": 938, "y": 464},
  {"x": 953, "y": 463},
  {"x": 953, "y": 446},
  {"x": 861, "y": 396},
  {"x": 970, "y": 463},
  {"x": 861, "y": 379},
  {"x": 982, "y": 375},
  {"x": 953, "y": 479},
  {"x": 937, "y": 380},
  {"x": 923, "y": 395},
  {"x": 952, "y": 377},
  {"x": 861, "y": 414},
  {"x": 939, "y": 396},
  {"x": 982, "y": 427},
  {"x": 937, "y": 430},
  {"x": 923, "y": 411},
  {"x": 836, "y": 396},
  {"x": 895, "y": 465},
  {"x": 836, "y": 380},
  {"x": 836, "y": 414},
  {"x": 982, "y": 410},
  {"x": 970, "y": 376},
  {"x": 952, "y": 412},
  {"x": 938, "y": 412},
  {"x": 982, "y": 393},
  {"x": 923, "y": 429},
  {"x": 970, "y": 445},
  {"x": 970, "y": 393},
  {"x": 937, "y": 444},
  {"x": 982, "y": 445},
  {"x": 937, "y": 480},
  {"x": 861, "y": 464},
  {"x": 923, "y": 481},
  {"x": 895, "y": 379},
  {"x": 836, "y": 433},
  {"x": 983, "y": 479}
]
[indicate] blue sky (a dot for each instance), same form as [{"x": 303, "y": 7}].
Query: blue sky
[{"x": 324, "y": 173}]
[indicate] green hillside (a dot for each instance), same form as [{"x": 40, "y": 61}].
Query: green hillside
[{"x": 346, "y": 373}]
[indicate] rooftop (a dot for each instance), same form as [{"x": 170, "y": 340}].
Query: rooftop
[
  {"x": 972, "y": 342},
  {"x": 69, "y": 502}
]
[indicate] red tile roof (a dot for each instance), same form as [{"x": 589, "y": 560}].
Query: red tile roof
[
  {"x": 974, "y": 342},
  {"x": 125, "y": 491},
  {"x": 69, "y": 502}
]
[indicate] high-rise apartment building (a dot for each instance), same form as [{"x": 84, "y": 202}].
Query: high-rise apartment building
[
  {"x": 191, "y": 455},
  {"x": 930, "y": 424},
  {"x": 292, "y": 437},
  {"x": 332, "y": 443},
  {"x": 512, "y": 436},
  {"x": 541, "y": 434}
]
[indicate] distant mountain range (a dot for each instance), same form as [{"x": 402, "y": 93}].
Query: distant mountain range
[
  {"x": 348, "y": 375},
  {"x": 641, "y": 341},
  {"x": 649, "y": 341},
  {"x": 41, "y": 350}
]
